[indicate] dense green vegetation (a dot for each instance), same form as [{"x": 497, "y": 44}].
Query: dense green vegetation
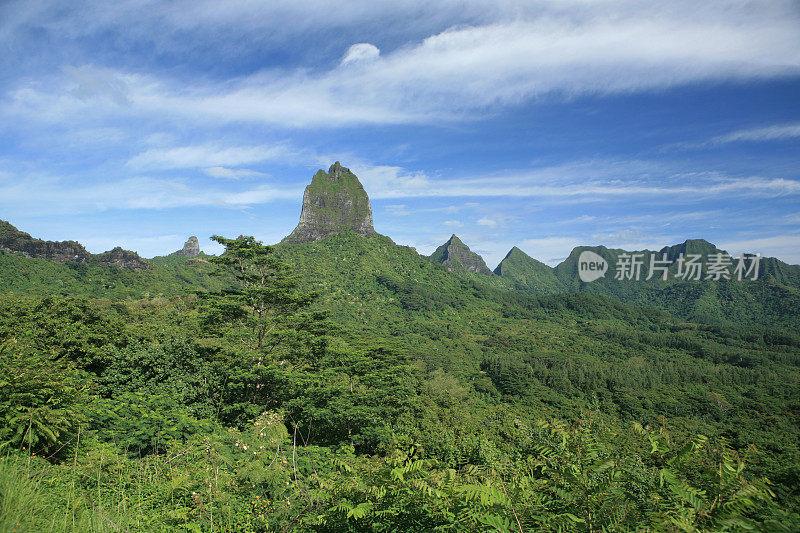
[
  {"x": 363, "y": 387},
  {"x": 168, "y": 276},
  {"x": 527, "y": 274},
  {"x": 773, "y": 299}
]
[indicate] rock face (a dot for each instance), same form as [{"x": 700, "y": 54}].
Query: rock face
[
  {"x": 13, "y": 240},
  {"x": 191, "y": 248},
  {"x": 122, "y": 259},
  {"x": 454, "y": 254},
  {"x": 333, "y": 202}
]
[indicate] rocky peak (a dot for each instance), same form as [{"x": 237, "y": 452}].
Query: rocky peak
[
  {"x": 516, "y": 253},
  {"x": 14, "y": 240},
  {"x": 191, "y": 248},
  {"x": 454, "y": 254},
  {"x": 334, "y": 201},
  {"x": 120, "y": 258},
  {"x": 336, "y": 171}
]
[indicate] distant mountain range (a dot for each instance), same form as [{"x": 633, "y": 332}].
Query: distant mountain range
[
  {"x": 14, "y": 240},
  {"x": 335, "y": 203}
]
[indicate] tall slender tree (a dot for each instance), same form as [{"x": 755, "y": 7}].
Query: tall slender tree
[{"x": 265, "y": 309}]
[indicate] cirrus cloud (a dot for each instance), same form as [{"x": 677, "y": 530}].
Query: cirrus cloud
[{"x": 558, "y": 52}]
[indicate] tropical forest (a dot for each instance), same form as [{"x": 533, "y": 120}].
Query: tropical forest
[{"x": 338, "y": 381}]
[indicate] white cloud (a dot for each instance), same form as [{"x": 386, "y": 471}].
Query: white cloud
[
  {"x": 230, "y": 173},
  {"x": 63, "y": 196},
  {"x": 573, "y": 182},
  {"x": 634, "y": 239},
  {"x": 774, "y": 132},
  {"x": 786, "y": 247},
  {"x": 548, "y": 51},
  {"x": 360, "y": 53},
  {"x": 767, "y": 133},
  {"x": 93, "y": 82},
  {"x": 398, "y": 210},
  {"x": 210, "y": 156},
  {"x": 383, "y": 181},
  {"x": 577, "y": 182},
  {"x": 454, "y": 223}
]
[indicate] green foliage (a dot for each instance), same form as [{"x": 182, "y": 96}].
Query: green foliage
[
  {"x": 263, "y": 300},
  {"x": 167, "y": 276},
  {"x": 356, "y": 397},
  {"x": 40, "y": 400},
  {"x": 403, "y": 398},
  {"x": 774, "y": 299},
  {"x": 143, "y": 423},
  {"x": 21, "y": 499}
]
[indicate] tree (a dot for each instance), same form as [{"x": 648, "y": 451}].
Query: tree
[
  {"x": 264, "y": 309},
  {"x": 271, "y": 336},
  {"x": 41, "y": 399}
]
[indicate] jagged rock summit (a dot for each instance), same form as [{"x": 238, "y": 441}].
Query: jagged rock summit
[
  {"x": 122, "y": 258},
  {"x": 191, "y": 248},
  {"x": 13, "y": 240},
  {"x": 455, "y": 254},
  {"x": 333, "y": 202}
]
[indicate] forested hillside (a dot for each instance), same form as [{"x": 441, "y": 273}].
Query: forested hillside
[
  {"x": 772, "y": 298},
  {"x": 351, "y": 384},
  {"x": 165, "y": 276},
  {"x": 768, "y": 295}
]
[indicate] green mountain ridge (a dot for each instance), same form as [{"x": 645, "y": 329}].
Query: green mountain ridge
[
  {"x": 335, "y": 202},
  {"x": 528, "y": 274},
  {"x": 458, "y": 371},
  {"x": 690, "y": 246},
  {"x": 774, "y": 298},
  {"x": 13, "y": 240}
]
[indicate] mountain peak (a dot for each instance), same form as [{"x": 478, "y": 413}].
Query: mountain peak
[
  {"x": 14, "y": 240},
  {"x": 527, "y": 273},
  {"x": 122, "y": 258},
  {"x": 455, "y": 254},
  {"x": 515, "y": 252},
  {"x": 334, "y": 201},
  {"x": 690, "y": 246},
  {"x": 516, "y": 259},
  {"x": 191, "y": 248},
  {"x": 337, "y": 170}
]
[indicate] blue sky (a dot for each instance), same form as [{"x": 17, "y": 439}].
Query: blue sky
[{"x": 544, "y": 125}]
